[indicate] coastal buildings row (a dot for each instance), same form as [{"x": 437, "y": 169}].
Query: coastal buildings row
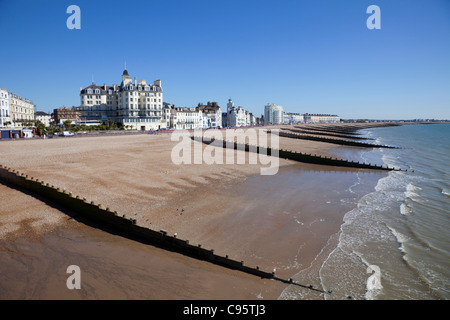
[
  {"x": 14, "y": 109},
  {"x": 138, "y": 105},
  {"x": 274, "y": 114},
  {"x": 200, "y": 117},
  {"x": 208, "y": 115}
]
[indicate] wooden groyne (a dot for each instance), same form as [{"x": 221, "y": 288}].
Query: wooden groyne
[
  {"x": 348, "y": 129},
  {"x": 295, "y": 156},
  {"x": 127, "y": 226},
  {"x": 330, "y": 140},
  {"x": 328, "y": 134}
]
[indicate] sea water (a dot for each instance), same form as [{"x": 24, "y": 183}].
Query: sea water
[{"x": 396, "y": 243}]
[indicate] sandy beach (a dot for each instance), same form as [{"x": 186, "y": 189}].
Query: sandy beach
[{"x": 288, "y": 221}]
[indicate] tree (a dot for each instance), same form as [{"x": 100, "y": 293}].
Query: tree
[
  {"x": 39, "y": 125},
  {"x": 67, "y": 124}
]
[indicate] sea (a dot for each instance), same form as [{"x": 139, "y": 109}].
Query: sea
[{"x": 397, "y": 238}]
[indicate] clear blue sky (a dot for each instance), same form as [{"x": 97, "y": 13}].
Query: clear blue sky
[{"x": 311, "y": 56}]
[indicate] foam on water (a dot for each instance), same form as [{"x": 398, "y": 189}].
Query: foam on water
[
  {"x": 389, "y": 230},
  {"x": 404, "y": 209},
  {"x": 401, "y": 227},
  {"x": 401, "y": 239},
  {"x": 411, "y": 191}
]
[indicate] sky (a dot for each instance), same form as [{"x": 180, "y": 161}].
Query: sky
[{"x": 315, "y": 56}]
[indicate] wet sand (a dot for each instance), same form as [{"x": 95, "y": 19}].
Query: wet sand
[
  {"x": 284, "y": 221},
  {"x": 113, "y": 267}
]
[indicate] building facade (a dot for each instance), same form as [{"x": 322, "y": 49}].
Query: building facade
[
  {"x": 186, "y": 118},
  {"x": 43, "y": 117},
  {"x": 273, "y": 114},
  {"x": 292, "y": 118},
  {"x": 21, "y": 110},
  {"x": 135, "y": 104},
  {"x": 62, "y": 114},
  {"x": 321, "y": 118},
  {"x": 212, "y": 115},
  {"x": 238, "y": 116},
  {"x": 5, "y": 119}
]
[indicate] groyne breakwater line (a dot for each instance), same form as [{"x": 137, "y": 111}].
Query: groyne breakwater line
[
  {"x": 127, "y": 226},
  {"x": 295, "y": 156},
  {"x": 349, "y": 130},
  {"x": 330, "y": 140},
  {"x": 321, "y": 133}
]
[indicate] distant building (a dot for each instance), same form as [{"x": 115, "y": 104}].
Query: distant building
[
  {"x": 43, "y": 117},
  {"x": 238, "y": 117},
  {"x": 135, "y": 104},
  {"x": 21, "y": 110},
  {"x": 186, "y": 118},
  {"x": 211, "y": 115},
  {"x": 292, "y": 118},
  {"x": 62, "y": 114},
  {"x": 166, "y": 113},
  {"x": 4, "y": 108},
  {"x": 224, "y": 119},
  {"x": 321, "y": 118},
  {"x": 273, "y": 114}
]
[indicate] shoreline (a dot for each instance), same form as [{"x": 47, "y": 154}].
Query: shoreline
[{"x": 200, "y": 207}]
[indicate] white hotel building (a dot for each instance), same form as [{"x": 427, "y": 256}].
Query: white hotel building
[
  {"x": 21, "y": 110},
  {"x": 186, "y": 118},
  {"x": 4, "y": 108},
  {"x": 135, "y": 104},
  {"x": 273, "y": 114}
]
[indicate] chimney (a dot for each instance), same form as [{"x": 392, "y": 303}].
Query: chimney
[
  {"x": 104, "y": 86},
  {"x": 135, "y": 82}
]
